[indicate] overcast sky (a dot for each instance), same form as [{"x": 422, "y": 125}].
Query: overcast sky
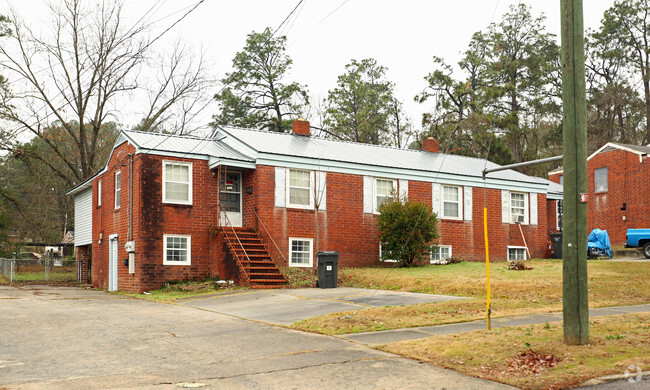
[{"x": 323, "y": 36}]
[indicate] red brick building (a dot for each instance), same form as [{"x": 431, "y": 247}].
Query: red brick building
[
  {"x": 174, "y": 208},
  {"x": 618, "y": 188}
]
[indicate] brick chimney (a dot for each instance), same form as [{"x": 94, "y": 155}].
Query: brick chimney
[
  {"x": 429, "y": 145},
  {"x": 301, "y": 127}
]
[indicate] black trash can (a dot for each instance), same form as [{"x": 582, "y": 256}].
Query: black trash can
[
  {"x": 556, "y": 239},
  {"x": 328, "y": 263}
]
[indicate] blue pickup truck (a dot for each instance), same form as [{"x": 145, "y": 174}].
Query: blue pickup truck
[{"x": 638, "y": 238}]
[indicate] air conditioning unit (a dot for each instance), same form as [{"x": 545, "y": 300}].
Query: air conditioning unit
[
  {"x": 519, "y": 219},
  {"x": 130, "y": 246}
]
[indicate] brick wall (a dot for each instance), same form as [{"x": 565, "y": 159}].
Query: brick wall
[
  {"x": 627, "y": 183},
  {"x": 82, "y": 256},
  {"x": 346, "y": 229}
]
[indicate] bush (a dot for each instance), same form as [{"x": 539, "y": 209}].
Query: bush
[{"x": 406, "y": 230}]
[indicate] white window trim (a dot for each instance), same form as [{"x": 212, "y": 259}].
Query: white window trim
[
  {"x": 387, "y": 260},
  {"x": 515, "y": 247},
  {"x": 189, "y": 249},
  {"x": 557, "y": 214},
  {"x": 526, "y": 211},
  {"x": 311, "y": 252},
  {"x": 460, "y": 203},
  {"x": 190, "y": 188},
  {"x": 606, "y": 170},
  {"x": 432, "y": 260},
  {"x": 99, "y": 193},
  {"x": 375, "y": 206},
  {"x": 118, "y": 197},
  {"x": 309, "y": 206}
]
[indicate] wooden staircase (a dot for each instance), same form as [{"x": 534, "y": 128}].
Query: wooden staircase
[{"x": 253, "y": 258}]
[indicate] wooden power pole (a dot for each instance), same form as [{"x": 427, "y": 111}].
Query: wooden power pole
[{"x": 574, "y": 234}]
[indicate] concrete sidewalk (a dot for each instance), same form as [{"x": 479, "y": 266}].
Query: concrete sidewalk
[{"x": 391, "y": 336}]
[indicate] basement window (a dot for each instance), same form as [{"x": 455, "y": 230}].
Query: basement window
[
  {"x": 600, "y": 180},
  {"x": 178, "y": 249},
  {"x": 177, "y": 182},
  {"x": 381, "y": 255},
  {"x": 516, "y": 253},
  {"x": 440, "y": 254},
  {"x": 301, "y": 252}
]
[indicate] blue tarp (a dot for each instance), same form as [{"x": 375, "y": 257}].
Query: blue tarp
[{"x": 599, "y": 239}]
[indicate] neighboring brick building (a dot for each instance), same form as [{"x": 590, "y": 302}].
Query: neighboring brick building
[
  {"x": 618, "y": 188},
  {"x": 299, "y": 194}
]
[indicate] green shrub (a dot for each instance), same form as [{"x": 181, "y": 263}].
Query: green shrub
[{"x": 406, "y": 230}]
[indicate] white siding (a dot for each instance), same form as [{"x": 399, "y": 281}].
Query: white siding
[{"x": 83, "y": 218}]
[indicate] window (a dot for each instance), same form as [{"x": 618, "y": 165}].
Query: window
[
  {"x": 451, "y": 202},
  {"x": 600, "y": 180},
  {"x": 177, "y": 249},
  {"x": 383, "y": 189},
  {"x": 516, "y": 253},
  {"x": 517, "y": 207},
  {"x": 558, "y": 219},
  {"x": 300, "y": 252},
  {"x": 177, "y": 182},
  {"x": 300, "y": 189},
  {"x": 381, "y": 255},
  {"x": 440, "y": 254},
  {"x": 561, "y": 180},
  {"x": 99, "y": 193},
  {"x": 118, "y": 188}
]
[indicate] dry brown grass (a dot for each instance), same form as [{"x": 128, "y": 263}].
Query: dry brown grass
[
  {"x": 502, "y": 354},
  {"x": 513, "y": 292}
]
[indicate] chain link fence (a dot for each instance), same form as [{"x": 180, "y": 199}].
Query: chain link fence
[{"x": 50, "y": 270}]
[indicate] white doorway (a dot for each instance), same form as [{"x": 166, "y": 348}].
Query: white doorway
[
  {"x": 112, "y": 262},
  {"x": 231, "y": 200}
]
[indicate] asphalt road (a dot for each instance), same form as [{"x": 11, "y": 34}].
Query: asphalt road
[{"x": 68, "y": 338}]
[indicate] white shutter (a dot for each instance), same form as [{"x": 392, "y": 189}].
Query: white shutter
[
  {"x": 505, "y": 206},
  {"x": 533, "y": 208},
  {"x": 435, "y": 199},
  {"x": 367, "y": 194},
  {"x": 468, "y": 203},
  {"x": 404, "y": 189},
  {"x": 321, "y": 190},
  {"x": 280, "y": 187}
]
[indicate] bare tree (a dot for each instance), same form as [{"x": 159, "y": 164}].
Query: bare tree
[{"x": 87, "y": 72}]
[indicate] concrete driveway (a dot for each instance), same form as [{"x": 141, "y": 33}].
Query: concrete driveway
[
  {"x": 69, "y": 338},
  {"x": 284, "y": 307}
]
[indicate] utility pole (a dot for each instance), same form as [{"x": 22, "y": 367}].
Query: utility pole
[{"x": 574, "y": 235}]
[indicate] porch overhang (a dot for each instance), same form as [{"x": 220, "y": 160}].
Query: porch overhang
[{"x": 216, "y": 162}]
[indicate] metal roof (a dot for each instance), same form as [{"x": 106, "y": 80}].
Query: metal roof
[
  {"x": 187, "y": 145},
  {"x": 366, "y": 154}
]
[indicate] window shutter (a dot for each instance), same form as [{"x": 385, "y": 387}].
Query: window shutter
[
  {"x": 435, "y": 198},
  {"x": 367, "y": 194},
  {"x": 404, "y": 189},
  {"x": 280, "y": 187},
  {"x": 468, "y": 203},
  {"x": 533, "y": 208},
  {"x": 505, "y": 206},
  {"x": 321, "y": 190}
]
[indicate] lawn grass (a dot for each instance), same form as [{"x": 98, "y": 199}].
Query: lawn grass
[
  {"x": 535, "y": 357},
  {"x": 36, "y": 273},
  {"x": 179, "y": 290},
  {"x": 538, "y": 290}
]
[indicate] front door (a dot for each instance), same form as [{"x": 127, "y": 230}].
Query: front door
[
  {"x": 112, "y": 263},
  {"x": 231, "y": 199}
]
